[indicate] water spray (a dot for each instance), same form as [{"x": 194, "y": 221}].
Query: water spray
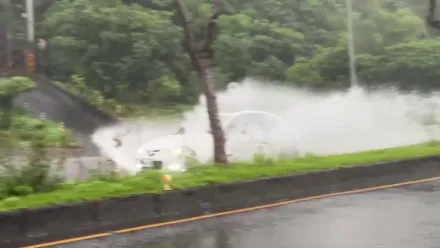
[
  {"x": 321, "y": 124},
  {"x": 351, "y": 44}
]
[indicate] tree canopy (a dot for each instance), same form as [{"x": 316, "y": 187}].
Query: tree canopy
[{"x": 132, "y": 50}]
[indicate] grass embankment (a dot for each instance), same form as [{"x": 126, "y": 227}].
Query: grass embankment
[{"x": 207, "y": 175}]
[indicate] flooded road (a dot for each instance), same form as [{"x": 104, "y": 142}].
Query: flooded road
[{"x": 405, "y": 217}]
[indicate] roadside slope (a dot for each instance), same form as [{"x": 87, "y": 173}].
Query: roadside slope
[{"x": 60, "y": 105}]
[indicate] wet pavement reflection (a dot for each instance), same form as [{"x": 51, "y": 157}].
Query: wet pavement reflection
[{"x": 406, "y": 217}]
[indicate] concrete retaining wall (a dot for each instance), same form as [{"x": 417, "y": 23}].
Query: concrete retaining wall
[
  {"x": 66, "y": 162},
  {"x": 59, "y": 222}
]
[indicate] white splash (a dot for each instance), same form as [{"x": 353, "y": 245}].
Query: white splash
[{"x": 325, "y": 123}]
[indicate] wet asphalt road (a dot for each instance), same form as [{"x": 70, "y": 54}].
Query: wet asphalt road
[{"x": 406, "y": 217}]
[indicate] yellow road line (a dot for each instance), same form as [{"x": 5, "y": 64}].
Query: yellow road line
[{"x": 65, "y": 241}]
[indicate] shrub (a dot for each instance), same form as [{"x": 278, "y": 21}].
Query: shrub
[
  {"x": 35, "y": 176},
  {"x": 31, "y": 178}
]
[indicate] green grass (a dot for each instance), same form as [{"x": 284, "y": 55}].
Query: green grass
[{"x": 209, "y": 175}]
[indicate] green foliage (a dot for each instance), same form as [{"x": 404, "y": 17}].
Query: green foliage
[
  {"x": 149, "y": 182},
  {"x": 33, "y": 173},
  {"x": 415, "y": 62},
  {"x": 158, "y": 89},
  {"x": 412, "y": 64},
  {"x": 24, "y": 131},
  {"x": 9, "y": 88},
  {"x": 15, "y": 85},
  {"x": 27, "y": 180},
  {"x": 111, "y": 45},
  {"x": 133, "y": 54},
  {"x": 77, "y": 86}
]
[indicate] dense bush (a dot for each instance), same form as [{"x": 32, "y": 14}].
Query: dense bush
[
  {"x": 33, "y": 173},
  {"x": 134, "y": 54},
  {"x": 24, "y": 131},
  {"x": 29, "y": 179}
]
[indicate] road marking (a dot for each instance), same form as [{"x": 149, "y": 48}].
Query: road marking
[{"x": 208, "y": 216}]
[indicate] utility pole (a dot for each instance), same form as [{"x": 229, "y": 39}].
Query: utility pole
[
  {"x": 8, "y": 34},
  {"x": 10, "y": 17},
  {"x": 30, "y": 28},
  {"x": 431, "y": 19}
]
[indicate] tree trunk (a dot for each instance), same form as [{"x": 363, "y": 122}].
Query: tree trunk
[
  {"x": 207, "y": 85},
  {"x": 202, "y": 61},
  {"x": 6, "y": 103},
  {"x": 431, "y": 19}
]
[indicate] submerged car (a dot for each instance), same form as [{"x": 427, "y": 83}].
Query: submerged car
[{"x": 247, "y": 133}]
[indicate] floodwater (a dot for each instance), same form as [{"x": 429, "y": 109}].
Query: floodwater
[{"x": 405, "y": 217}]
